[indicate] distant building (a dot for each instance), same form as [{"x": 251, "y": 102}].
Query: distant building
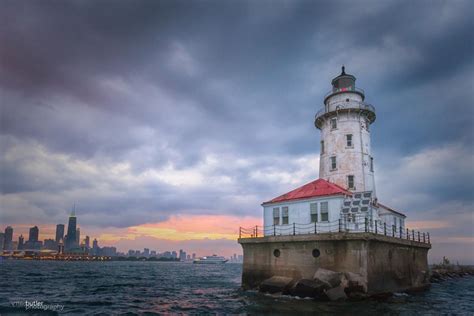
[
  {"x": 194, "y": 256},
  {"x": 78, "y": 236},
  {"x": 2, "y": 240},
  {"x": 50, "y": 244},
  {"x": 8, "y": 242},
  {"x": 71, "y": 240},
  {"x": 188, "y": 257},
  {"x": 153, "y": 253},
  {"x": 174, "y": 255},
  {"x": 182, "y": 255},
  {"x": 87, "y": 242},
  {"x": 34, "y": 233},
  {"x": 60, "y": 246},
  {"x": 33, "y": 242},
  {"x": 95, "y": 247},
  {"x": 21, "y": 242},
  {"x": 108, "y": 251},
  {"x": 59, "y": 232}
]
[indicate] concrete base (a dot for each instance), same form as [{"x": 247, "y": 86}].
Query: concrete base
[{"x": 385, "y": 263}]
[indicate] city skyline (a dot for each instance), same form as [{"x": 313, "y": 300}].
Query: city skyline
[
  {"x": 169, "y": 123},
  {"x": 43, "y": 238}
]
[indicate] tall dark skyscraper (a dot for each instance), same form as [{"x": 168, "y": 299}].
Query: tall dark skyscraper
[
  {"x": 59, "y": 232},
  {"x": 8, "y": 242},
  {"x": 34, "y": 233},
  {"x": 87, "y": 242},
  {"x": 70, "y": 242}
]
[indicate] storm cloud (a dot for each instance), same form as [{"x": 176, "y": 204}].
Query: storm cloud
[{"x": 139, "y": 110}]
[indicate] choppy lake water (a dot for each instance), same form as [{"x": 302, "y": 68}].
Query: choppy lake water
[{"x": 164, "y": 288}]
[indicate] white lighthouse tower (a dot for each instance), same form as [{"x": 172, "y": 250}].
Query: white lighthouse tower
[{"x": 344, "y": 122}]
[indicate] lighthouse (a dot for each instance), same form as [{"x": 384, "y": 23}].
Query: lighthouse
[
  {"x": 344, "y": 122},
  {"x": 336, "y": 222}
]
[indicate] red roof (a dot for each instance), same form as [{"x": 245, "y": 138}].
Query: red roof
[{"x": 316, "y": 188}]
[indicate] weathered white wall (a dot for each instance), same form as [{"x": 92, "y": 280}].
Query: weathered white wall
[
  {"x": 391, "y": 218},
  {"x": 299, "y": 212},
  {"x": 353, "y": 160}
]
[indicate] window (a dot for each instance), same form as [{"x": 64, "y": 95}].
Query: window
[
  {"x": 284, "y": 215},
  {"x": 349, "y": 140},
  {"x": 333, "y": 163},
  {"x": 333, "y": 123},
  {"x": 322, "y": 147},
  {"x": 324, "y": 212},
  {"x": 350, "y": 182},
  {"x": 276, "y": 216},
  {"x": 372, "y": 164},
  {"x": 314, "y": 212}
]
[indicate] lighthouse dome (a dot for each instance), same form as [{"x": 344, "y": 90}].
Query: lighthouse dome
[
  {"x": 342, "y": 84},
  {"x": 343, "y": 81}
]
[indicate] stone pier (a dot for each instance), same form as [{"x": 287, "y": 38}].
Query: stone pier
[{"x": 386, "y": 264}]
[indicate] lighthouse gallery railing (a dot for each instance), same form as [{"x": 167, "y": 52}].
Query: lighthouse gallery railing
[
  {"x": 359, "y": 224},
  {"x": 354, "y": 106}
]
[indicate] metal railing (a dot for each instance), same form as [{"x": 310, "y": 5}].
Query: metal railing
[
  {"x": 358, "y": 224},
  {"x": 352, "y": 105}
]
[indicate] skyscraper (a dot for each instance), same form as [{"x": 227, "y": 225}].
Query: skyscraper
[
  {"x": 2, "y": 240},
  {"x": 70, "y": 242},
  {"x": 8, "y": 243},
  {"x": 33, "y": 236},
  {"x": 21, "y": 242},
  {"x": 95, "y": 247},
  {"x": 87, "y": 242},
  {"x": 59, "y": 232}
]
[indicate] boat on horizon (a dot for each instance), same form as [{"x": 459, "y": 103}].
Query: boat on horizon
[{"x": 214, "y": 259}]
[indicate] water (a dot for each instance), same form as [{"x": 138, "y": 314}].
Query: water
[{"x": 165, "y": 287}]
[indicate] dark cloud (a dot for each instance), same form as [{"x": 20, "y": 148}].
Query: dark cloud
[{"x": 144, "y": 109}]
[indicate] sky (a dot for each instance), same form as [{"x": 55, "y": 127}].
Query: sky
[{"x": 168, "y": 123}]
